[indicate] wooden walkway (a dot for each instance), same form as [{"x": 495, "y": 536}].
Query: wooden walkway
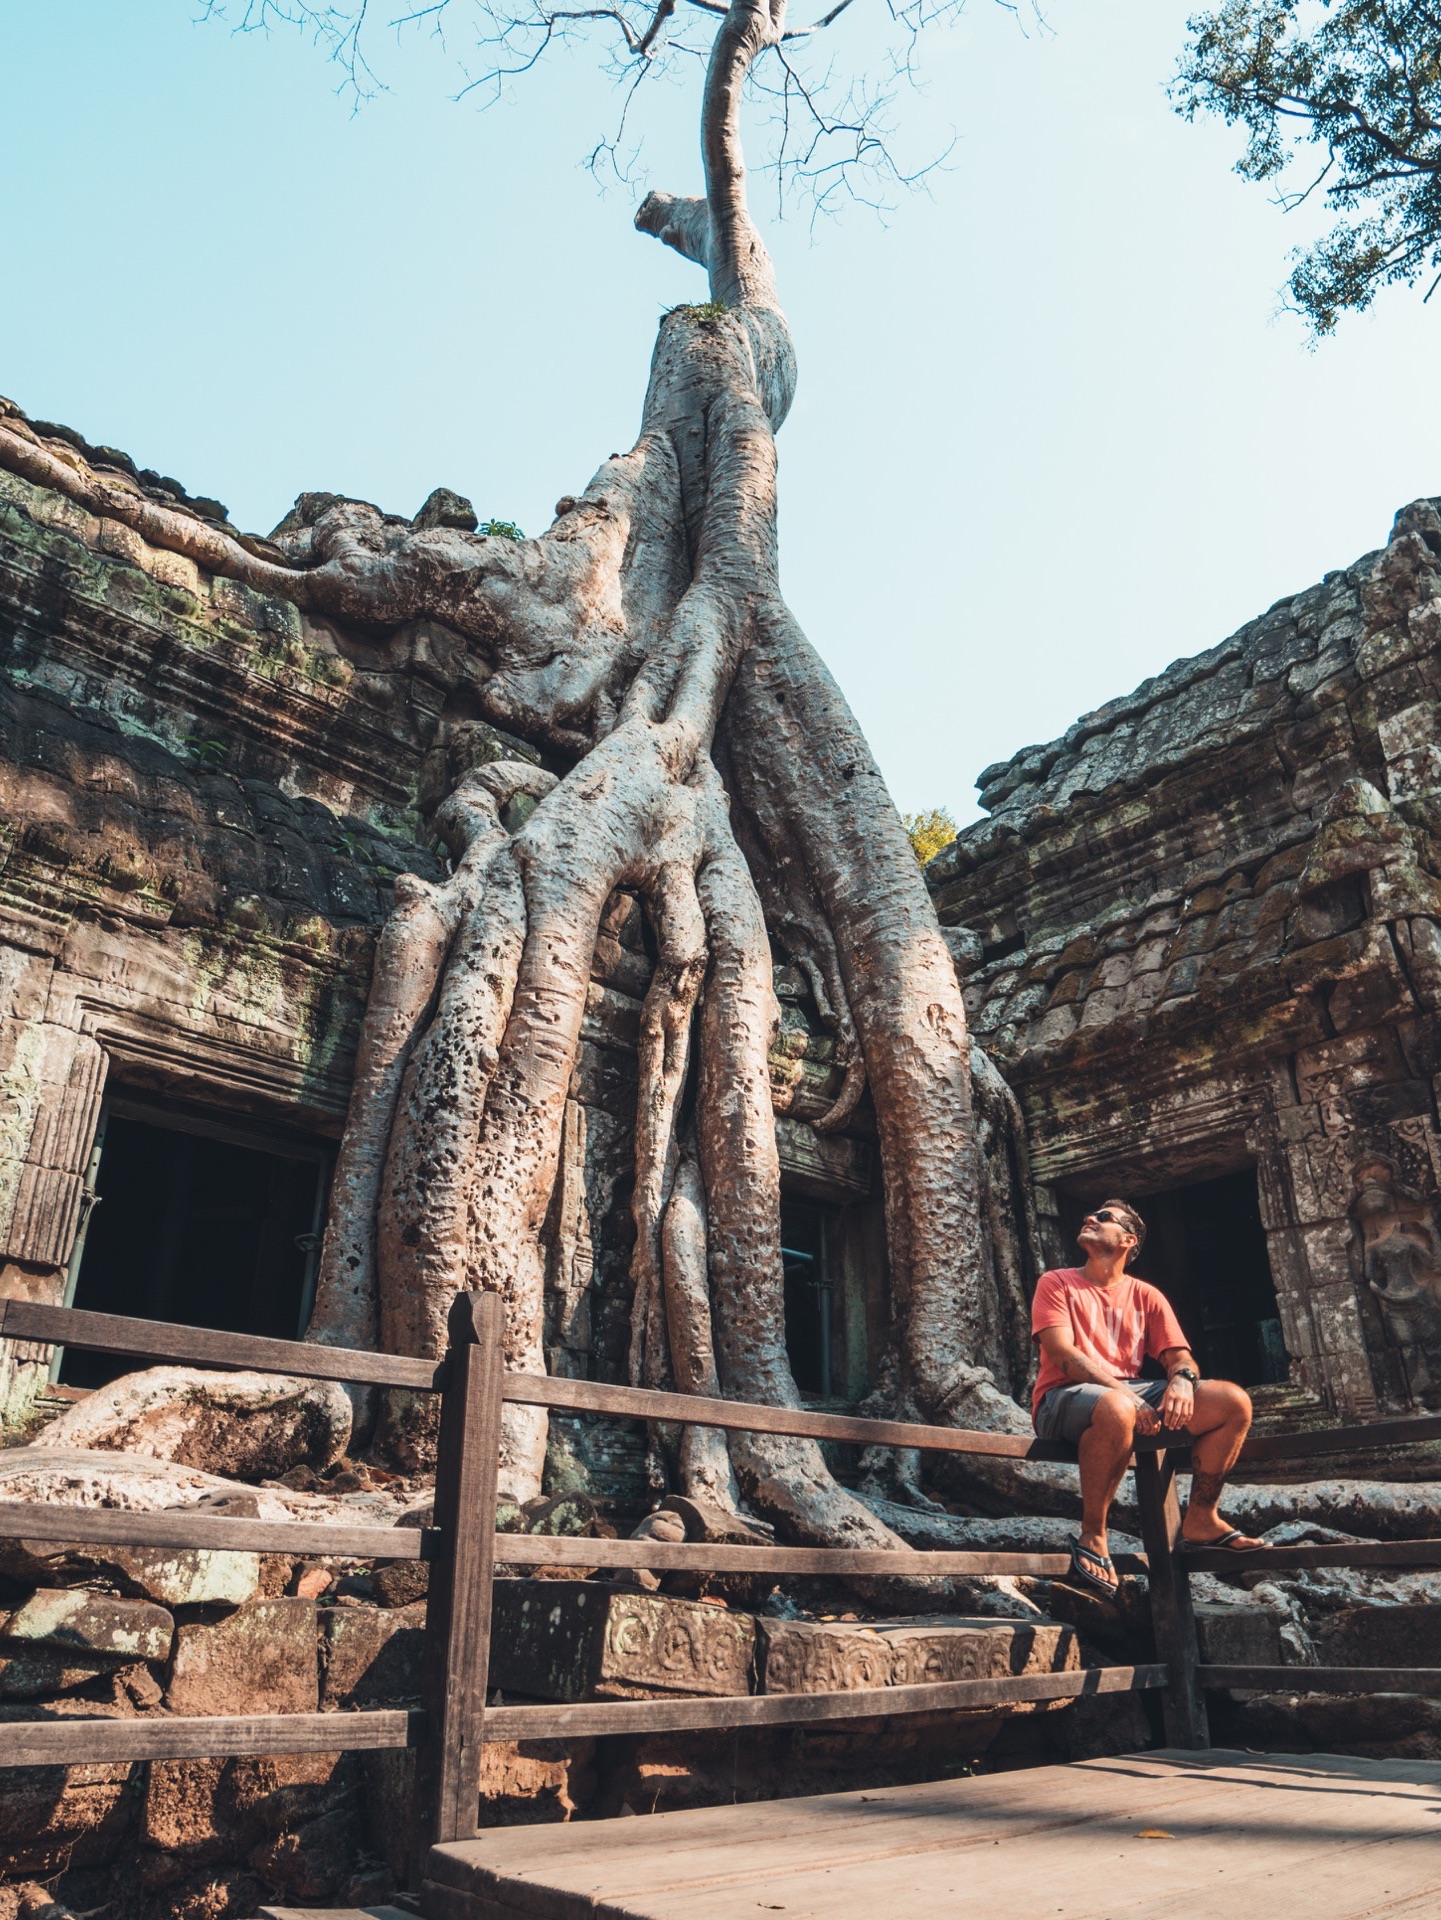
[{"x": 1170, "y": 1835}]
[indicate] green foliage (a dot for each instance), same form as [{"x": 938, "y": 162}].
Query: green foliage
[
  {"x": 1353, "y": 89},
  {"x": 206, "y": 753},
  {"x": 707, "y": 312},
  {"x": 502, "y": 529},
  {"x": 929, "y": 832}
]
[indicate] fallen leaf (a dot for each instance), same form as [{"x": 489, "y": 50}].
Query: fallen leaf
[{"x": 1154, "y": 1833}]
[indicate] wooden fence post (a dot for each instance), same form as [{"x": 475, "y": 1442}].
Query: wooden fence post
[
  {"x": 457, "y": 1621},
  {"x": 1183, "y": 1705}
]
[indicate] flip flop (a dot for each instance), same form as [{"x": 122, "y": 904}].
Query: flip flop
[
  {"x": 1090, "y": 1582},
  {"x": 1221, "y": 1542}
]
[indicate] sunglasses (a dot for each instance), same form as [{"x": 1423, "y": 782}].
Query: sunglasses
[{"x": 1109, "y": 1219}]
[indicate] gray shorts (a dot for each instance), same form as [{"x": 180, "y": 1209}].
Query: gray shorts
[{"x": 1066, "y": 1412}]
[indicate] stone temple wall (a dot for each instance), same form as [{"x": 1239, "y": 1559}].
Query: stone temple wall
[
  {"x": 1200, "y": 933},
  {"x": 206, "y": 798}
]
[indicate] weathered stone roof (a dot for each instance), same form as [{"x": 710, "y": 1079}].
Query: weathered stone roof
[
  {"x": 1156, "y": 875},
  {"x": 1197, "y": 705}
]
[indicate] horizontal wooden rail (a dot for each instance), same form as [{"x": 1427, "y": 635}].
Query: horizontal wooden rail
[
  {"x": 796, "y": 1709},
  {"x": 76, "y": 1742},
  {"x": 185, "y": 1527},
  {"x": 556, "y": 1550},
  {"x": 1344, "y": 1553},
  {"x": 161, "y": 1340},
  {"x": 1381, "y": 1433},
  {"x": 1422, "y": 1680},
  {"x": 742, "y": 1416}
]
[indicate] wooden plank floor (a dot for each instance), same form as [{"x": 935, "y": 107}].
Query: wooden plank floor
[
  {"x": 1238, "y": 1836},
  {"x": 384, "y": 1912}
]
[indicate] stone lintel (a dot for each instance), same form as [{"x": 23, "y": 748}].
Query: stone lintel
[{"x": 586, "y": 1639}]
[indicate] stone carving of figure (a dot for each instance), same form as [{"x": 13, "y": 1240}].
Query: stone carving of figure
[{"x": 1402, "y": 1253}]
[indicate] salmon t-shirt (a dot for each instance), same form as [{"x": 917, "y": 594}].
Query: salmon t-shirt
[{"x": 1116, "y": 1327}]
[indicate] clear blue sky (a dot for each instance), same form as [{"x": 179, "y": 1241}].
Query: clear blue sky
[{"x": 1051, "y": 433}]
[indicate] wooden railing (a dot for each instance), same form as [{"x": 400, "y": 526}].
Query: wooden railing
[{"x": 454, "y": 1721}]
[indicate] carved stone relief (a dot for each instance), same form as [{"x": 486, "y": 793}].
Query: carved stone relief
[
  {"x": 803, "y": 1656},
  {"x": 586, "y": 1640},
  {"x": 1402, "y": 1257},
  {"x": 1417, "y": 1153}
]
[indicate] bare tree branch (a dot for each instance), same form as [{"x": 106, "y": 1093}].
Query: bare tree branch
[{"x": 829, "y": 129}]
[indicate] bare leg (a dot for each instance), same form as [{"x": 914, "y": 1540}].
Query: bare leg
[
  {"x": 1220, "y": 1423},
  {"x": 1105, "y": 1452}
]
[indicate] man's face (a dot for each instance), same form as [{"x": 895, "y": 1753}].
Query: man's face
[{"x": 1105, "y": 1232}]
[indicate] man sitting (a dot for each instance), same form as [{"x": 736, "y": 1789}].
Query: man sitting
[{"x": 1096, "y": 1325}]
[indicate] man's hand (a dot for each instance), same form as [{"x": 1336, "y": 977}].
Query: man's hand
[
  {"x": 1178, "y": 1403},
  {"x": 1148, "y": 1421}
]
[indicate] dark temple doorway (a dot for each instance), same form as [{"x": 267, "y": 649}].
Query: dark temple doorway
[
  {"x": 809, "y": 1298},
  {"x": 1206, "y": 1250},
  {"x": 198, "y": 1222}
]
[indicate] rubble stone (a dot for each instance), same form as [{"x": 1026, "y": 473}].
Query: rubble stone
[
  {"x": 371, "y": 1656},
  {"x": 170, "y": 1576},
  {"x": 400, "y": 1582},
  {"x": 91, "y": 1624},
  {"x": 40, "y": 1673},
  {"x": 285, "y": 1819},
  {"x": 1403, "y": 1635},
  {"x": 534, "y": 1780},
  {"x": 1239, "y": 1636},
  {"x": 82, "y": 1477},
  {"x": 59, "y": 1817},
  {"x": 1380, "y": 1725},
  {"x": 246, "y": 1426},
  {"x": 260, "y": 1658}
]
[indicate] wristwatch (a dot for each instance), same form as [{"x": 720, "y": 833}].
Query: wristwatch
[{"x": 1185, "y": 1373}]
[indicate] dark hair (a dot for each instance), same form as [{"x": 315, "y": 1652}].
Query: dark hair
[{"x": 1135, "y": 1224}]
